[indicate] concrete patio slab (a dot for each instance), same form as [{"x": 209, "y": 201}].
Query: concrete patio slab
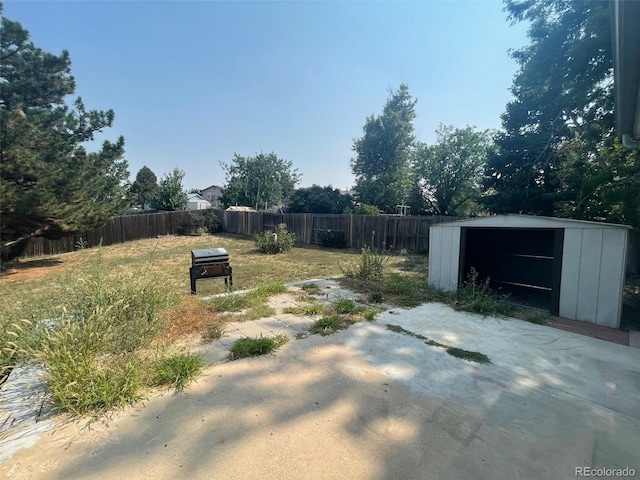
[{"x": 368, "y": 403}]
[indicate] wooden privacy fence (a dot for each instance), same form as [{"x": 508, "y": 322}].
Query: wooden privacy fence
[
  {"x": 410, "y": 233},
  {"x": 116, "y": 230}
]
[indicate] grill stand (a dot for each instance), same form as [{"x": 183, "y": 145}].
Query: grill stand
[{"x": 215, "y": 270}]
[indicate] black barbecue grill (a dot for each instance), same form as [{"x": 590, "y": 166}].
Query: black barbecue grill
[{"x": 210, "y": 263}]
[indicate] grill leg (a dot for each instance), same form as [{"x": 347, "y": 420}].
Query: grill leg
[{"x": 192, "y": 276}]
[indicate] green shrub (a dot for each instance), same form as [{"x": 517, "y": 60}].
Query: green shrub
[
  {"x": 332, "y": 239},
  {"x": 366, "y": 209},
  {"x": 253, "y": 347},
  {"x": 195, "y": 225},
  {"x": 211, "y": 222},
  {"x": 200, "y": 223},
  {"x": 178, "y": 370},
  {"x": 278, "y": 241}
]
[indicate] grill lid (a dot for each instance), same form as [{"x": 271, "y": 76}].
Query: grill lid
[{"x": 209, "y": 255}]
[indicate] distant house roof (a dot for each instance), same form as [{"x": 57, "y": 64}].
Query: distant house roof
[
  {"x": 212, "y": 186},
  {"x": 194, "y": 197},
  {"x": 237, "y": 208}
]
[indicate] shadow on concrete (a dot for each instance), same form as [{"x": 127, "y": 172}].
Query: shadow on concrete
[{"x": 370, "y": 404}]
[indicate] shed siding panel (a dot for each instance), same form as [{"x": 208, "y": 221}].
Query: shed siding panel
[
  {"x": 435, "y": 255},
  {"x": 570, "y": 272},
  {"x": 589, "y": 280},
  {"x": 454, "y": 258},
  {"x": 611, "y": 272},
  {"x": 445, "y": 259}
]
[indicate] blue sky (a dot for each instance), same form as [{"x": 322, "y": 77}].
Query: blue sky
[{"x": 193, "y": 82}]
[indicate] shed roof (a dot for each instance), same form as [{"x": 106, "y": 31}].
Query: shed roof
[{"x": 527, "y": 221}]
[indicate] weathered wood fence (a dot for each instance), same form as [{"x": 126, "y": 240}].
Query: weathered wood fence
[
  {"x": 410, "y": 233},
  {"x": 116, "y": 230}
]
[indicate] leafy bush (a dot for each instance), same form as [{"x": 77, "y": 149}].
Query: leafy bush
[
  {"x": 200, "y": 223},
  {"x": 277, "y": 241},
  {"x": 366, "y": 209},
  {"x": 332, "y": 239}
]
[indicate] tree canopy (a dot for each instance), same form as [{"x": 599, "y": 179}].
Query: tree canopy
[
  {"x": 170, "y": 194},
  {"x": 383, "y": 154},
  {"x": 449, "y": 173},
  {"x": 144, "y": 187},
  {"x": 49, "y": 183},
  {"x": 317, "y": 199},
  {"x": 262, "y": 181},
  {"x": 557, "y": 153}
]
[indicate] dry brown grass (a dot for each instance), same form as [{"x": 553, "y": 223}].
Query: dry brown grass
[
  {"x": 37, "y": 284},
  {"x": 191, "y": 318}
]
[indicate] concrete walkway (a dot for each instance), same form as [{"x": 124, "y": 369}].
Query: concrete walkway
[{"x": 369, "y": 403}]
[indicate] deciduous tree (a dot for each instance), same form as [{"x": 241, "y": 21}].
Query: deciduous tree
[
  {"x": 382, "y": 162},
  {"x": 557, "y": 154},
  {"x": 170, "y": 194},
  {"x": 450, "y": 171},
  {"x": 261, "y": 181},
  {"x": 317, "y": 199}
]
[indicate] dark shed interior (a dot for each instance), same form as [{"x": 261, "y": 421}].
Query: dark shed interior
[{"x": 524, "y": 263}]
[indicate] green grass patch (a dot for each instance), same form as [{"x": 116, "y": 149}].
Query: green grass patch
[
  {"x": 399, "y": 329},
  {"x": 453, "y": 351},
  {"x": 178, "y": 370},
  {"x": 330, "y": 324},
  {"x": 308, "y": 310},
  {"x": 249, "y": 306},
  {"x": 375, "y": 297},
  {"x": 311, "y": 288},
  {"x": 345, "y": 306},
  {"x": 370, "y": 314},
  {"x": 534, "y": 317},
  {"x": 468, "y": 355},
  {"x": 253, "y": 347}
]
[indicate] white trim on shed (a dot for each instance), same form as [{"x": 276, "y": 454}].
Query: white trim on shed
[{"x": 591, "y": 279}]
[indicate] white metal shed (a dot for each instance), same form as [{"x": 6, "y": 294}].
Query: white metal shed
[{"x": 573, "y": 268}]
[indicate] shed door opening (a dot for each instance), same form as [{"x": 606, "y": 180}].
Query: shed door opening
[{"x": 522, "y": 263}]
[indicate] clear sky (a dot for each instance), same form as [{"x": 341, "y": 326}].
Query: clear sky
[{"x": 193, "y": 82}]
